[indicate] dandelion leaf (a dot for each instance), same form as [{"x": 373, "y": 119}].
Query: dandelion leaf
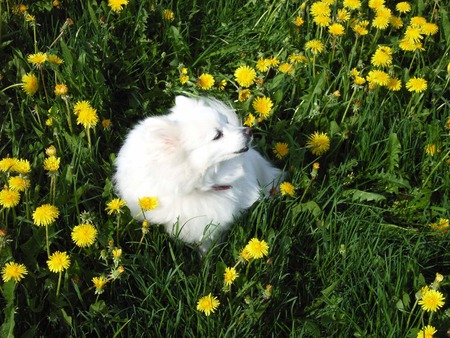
[
  {"x": 363, "y": 196},
  {"x": 7, "y": 328},
  {"x": 445, "y": 25},
  {"x": 309, "y": 206},
  {"x": 393, "y": 152}
]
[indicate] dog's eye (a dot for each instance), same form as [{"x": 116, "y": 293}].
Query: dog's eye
[{"x": 218, "y": 135}]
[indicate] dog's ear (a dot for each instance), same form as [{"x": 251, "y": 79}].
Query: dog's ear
[{"x": 165, "y": 133}]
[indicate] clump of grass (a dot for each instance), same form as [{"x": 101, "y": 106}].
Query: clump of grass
[{"x": 347, "y": 96}]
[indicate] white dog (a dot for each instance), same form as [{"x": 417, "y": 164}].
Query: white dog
[{"x": 198, "y": 162}]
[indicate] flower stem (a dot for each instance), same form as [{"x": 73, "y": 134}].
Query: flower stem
[
  {"x": 69, "y": 119},
  {"x": 46, "y": 241},
  {"x": 59, "y": 283}
]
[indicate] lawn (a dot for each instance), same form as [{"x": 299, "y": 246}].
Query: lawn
[{"x": 349, "y": 97}]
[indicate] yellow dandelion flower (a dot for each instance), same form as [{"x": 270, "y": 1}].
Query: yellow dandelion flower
[
  {"x": 117, "y": 253},
  {"x": 22, "y": 166},
  {"x": 409, "y": 46},
  {"x": 54, "y": 59},
  {"x": 148, "y": 203},
  {"x": 403, "y": 7},
  {"x": 336, "y": 29},
  {"x": 354, "y": 72},
  {"x": 382, "y": 18},
  {"x": 297, "y": 58},
  {"x": 61, "y": 89},
  {"x": 58, "y": 261},
  {"x": 117, "y": 5},
  {"x": 208, "y": 304},
  {"x": 14, "y": 271},
  {"x": 416, "y": 84},
  {"x": 352, "y": 4},
  {"x": 429, "y": 28},
  {"x": 263, "y": 65},
  {"x": 29, "y": 18},
  {"x": 52, "y": 163},
  {"x": 168, "y": 15},
  {"x": 9, "y": 198},
  {"x": 394, "y": 84},
  {"x": 413, "y": 34},
  {"x": 18, "y": 183},
  {"x": 322, "y": 21},
  {"x": 45, "y": 215},
  {"x": 37, "y": 59},
  {"x": 250, "y": 120},
  {"x": 281, "y": 149},
  {"x": 84, "y": 235},
  {"x": 273, "y": 62},
  {"x": 431, "y": 149},
  {"x": 319, "y": 143},
  {"x": 427, "y": 332},
  {"x": 442, "y": 225},
  {"x": 299, "y": 21},
  {"x": 245, "y": 255},
  {"x": 360, "y": 29},
  {"x": 320, "y": 8},
  {"x": 184, "y": 79},
  {"x": 8, "y": 164},
  {"x": 432, "y": 300},
  {"x": 87, "y": 117},
  {"x": 343, "y": 15},
  {"x": 30, "y": 84},
  {"x": 80, "y": 106},
  {"x": 230, "y": 276},
  {"x": 257, "y": 249},
  {"x": 205, "y": 81},
  {"x": 359, "y": 80},
  {"x": 315, "y": 46},
  {"x": 115, "y": 205},
  {"x": 382, "y": 57},
  {"x": 376, "y": 4},
  {"x": 417, "y": 21},
  {"x": 263, "y": 106},
  {"x": 243, "y": 95},
  {"x": 378, "y": 77},
  {"x": 286, "y": 68},
  {"x": 221, "y": 84},
  {"x": 396, "y": 22},
  {"x": 245, "y": 76},
  {"x": 99, "y": 284},
  {"x": 287, "y": 188}
]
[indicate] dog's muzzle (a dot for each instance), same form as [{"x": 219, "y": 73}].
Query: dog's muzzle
[{"x": 248, "y": 138}]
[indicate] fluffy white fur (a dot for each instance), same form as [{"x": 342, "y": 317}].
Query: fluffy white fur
[{"x": 198, "y": 162}]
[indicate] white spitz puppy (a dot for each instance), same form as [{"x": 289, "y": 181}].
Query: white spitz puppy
[{"x": 198, "y": 162}]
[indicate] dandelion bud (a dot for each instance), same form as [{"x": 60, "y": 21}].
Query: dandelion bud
[
  {"x": 117, "y": 253},
  {"x": 61, "y": 89},
  {"x": 448, "y": 68},
  {"x": 50, "y": 151},
  {"x": 439, "y": 278}
]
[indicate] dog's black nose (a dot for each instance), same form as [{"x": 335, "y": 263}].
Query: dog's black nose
[{"x": 248, "y": 131}]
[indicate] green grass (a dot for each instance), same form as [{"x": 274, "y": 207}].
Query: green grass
[{"x": 348, "y": 252}]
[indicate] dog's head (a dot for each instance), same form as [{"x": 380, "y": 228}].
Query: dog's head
[{"x": 204, "y": 132}]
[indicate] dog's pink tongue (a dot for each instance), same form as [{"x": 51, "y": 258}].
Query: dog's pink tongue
[{"x": 221, "y": 187}]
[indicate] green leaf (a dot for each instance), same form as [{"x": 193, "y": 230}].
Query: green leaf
[
  {"x": 445, "y": 24},
  {"x": 363, "y": 196},
  {"x": 7, "y": 328},
  {"x": 310, "y": 206},
  {"x": 393, "y": 151}
]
